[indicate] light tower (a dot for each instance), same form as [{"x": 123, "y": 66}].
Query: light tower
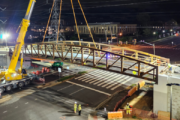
[{"x": 54, "y": 24}]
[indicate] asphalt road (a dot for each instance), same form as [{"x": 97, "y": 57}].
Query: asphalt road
[
  {"x": 94, "y": 87},
  {"x": 164, "y": 48},
  {"x": 36, "y": 107},
  {"x": 56, "y": 103}
]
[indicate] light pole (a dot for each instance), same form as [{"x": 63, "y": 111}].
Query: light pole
[
  {"x": 171, "y": 84},
  {"x": 151, "y": 45},
  {"x": 5, "y": 36}
]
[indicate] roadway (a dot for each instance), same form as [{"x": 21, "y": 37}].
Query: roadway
[
  {"x": 94, "y": 87},
  {"x": 164, "y": 48},
  {"x": 36, "y": 107},
  {"x": 57, "y": 101}
]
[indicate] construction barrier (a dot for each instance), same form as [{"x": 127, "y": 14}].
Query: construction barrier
[
  {"x": 118, "y": 103},
  {"x": 141, "y": 84},
  {"x": 163, "y": 115},
  {"x": 132, "y": 91},
  {"x": 147, "y": 114},
  {"x": 115, "y": 115}
]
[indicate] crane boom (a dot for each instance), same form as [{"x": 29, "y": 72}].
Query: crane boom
[{"x": 11, "y": 74}]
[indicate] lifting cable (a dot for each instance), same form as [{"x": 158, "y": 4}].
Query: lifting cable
[
  {"x": 48, "y": 21},
  {"x": 87, "y": 23},
  {"x": 59, "y": 24},
  {"x": 76, "y": 22}
]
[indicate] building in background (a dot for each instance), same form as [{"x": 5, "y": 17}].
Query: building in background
[{"x": 108, "y": 28}]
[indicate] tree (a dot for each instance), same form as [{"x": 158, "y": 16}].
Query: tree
[
  {"x": 147, "y": 32},
  {"x": 125, "y": 38},
  {"x": 143, "y": 19},
  {"x": 172, "y": 22}
]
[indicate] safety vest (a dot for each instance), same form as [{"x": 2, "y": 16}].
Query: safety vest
[
  {"x": 79, "y": 107},
  {"x": 75, "y": 105},
  {"x": 127, "y": 107},
  {"x": 169, "y": 65}
]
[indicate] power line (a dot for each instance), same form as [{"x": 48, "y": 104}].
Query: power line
[
  {"x": 2, "y": 9},
  {"x": 3, "y": 22}
]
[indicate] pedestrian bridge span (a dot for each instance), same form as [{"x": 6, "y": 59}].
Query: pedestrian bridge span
[{"x": 113, "y": 58}]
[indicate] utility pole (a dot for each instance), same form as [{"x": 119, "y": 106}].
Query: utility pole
[{"x": 54, "y": 24}]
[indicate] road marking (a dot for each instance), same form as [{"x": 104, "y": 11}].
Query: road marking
[
  {"x": 89, "y": 88},
  {"x": 113, "y": 80},
  {"x": 122, "y": 80},
  {"x": 107, "y": 79},
  {"x": 76, "y": 91},
  {"x": 36, "y": 99},
  {"x": 112, "y": 84},
  {"x": 4, "y": 111},
  {"x": 100, "y": 78},
  {"x": 64, "y": 88},
  {"x": 26, "y": 103},
  {"x": 16, "y": 107},
  {"x": 121, "y": 83}
]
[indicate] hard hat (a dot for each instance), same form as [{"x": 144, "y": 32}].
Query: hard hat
[{"x": 75, "y": 102}]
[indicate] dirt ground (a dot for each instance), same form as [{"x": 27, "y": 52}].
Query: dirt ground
[{"x": 141, "y": 100}]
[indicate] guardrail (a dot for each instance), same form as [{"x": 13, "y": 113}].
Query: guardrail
[{"x": 143, "y": 56}]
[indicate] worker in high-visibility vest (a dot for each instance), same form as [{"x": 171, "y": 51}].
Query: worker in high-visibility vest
[
  {"x": 75, "y": 107},
  {"x": 128, "y": 109},
  {"x": 126, "y": 42},
  {"x": 170, "y": 67},
  {"x": 79, "y": 109}
]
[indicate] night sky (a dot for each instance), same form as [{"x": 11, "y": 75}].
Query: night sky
[{"x": 123, "y": 11}]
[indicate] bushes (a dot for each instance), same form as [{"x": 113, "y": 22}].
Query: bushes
[
  {"x": 83, "y": 72},
  {"x": 65, "y": 78}
]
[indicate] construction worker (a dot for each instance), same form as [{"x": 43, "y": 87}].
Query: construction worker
[
  {"x": 79, "y": 109},
  {"x": 170, "y": 67},
  {"x": 128, "y": 109},
  {"x": 75, "y": 107}
]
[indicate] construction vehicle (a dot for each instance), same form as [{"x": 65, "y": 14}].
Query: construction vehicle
[
  {"x": 11, "y": 78},
  {"x": 56, "y": 65}
]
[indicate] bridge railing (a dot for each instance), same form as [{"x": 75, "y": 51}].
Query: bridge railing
[
  {"x": 146, "y": 57},
  {"x": 91, "y": 56}
]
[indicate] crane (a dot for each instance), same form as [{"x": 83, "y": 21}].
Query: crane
[{"x": 11, "y": 76}]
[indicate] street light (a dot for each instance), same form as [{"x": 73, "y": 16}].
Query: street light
[
  {"x": 5, "y": 36},
  {"x": 171, "y": 84},
  {"x": 171, "y": 30},
  {"x": 151, "y": 45},
  {"x": 120, "y": 34},
  {"x": 154, "y": 33}
]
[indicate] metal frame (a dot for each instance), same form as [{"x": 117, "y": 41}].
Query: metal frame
[{"x": 121, "y": 63}]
